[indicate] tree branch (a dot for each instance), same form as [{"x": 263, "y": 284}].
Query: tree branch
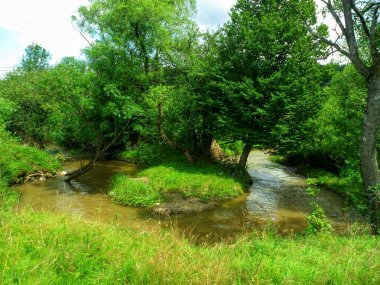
[
  {"x": 335, "y": 15},
  {"x": 370, "y": 6},
  {"x": 374, "y": 23},
  {"x": 116, "y": 137},
  {"x": 328, "y": 42},
  {"x": 362, "y": 20},
  {"x": 351, "y": 39}
]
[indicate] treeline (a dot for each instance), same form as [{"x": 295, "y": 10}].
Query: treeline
[{"x": 151, "y": 76}]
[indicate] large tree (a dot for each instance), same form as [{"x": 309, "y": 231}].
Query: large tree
[
  {"x": 269, "y": 71},
  {"x": 358, "y": 39},
  {"x": 134, "y": 44}
]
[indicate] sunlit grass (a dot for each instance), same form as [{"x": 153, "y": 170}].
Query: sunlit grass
[
  {"x": 205, "y": 181},
  {"x": 37, "y": 248}
]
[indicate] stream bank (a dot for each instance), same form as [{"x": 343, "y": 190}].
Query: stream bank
[{"x": 276, "y": 197}]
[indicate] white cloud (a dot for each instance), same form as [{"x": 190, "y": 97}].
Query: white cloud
[
  {"x": 213, "y": 13},
  {"x": 46, "y": 22}
]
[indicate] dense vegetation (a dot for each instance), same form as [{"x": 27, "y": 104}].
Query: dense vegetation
[{"x": 156, "y": 91}]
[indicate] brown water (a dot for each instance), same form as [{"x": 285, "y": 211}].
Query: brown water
[{"x": 277, "y": 197}]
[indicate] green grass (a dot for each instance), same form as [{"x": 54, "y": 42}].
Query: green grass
[
  {"x": 37, "y": 248},
  {"x": 8, "y": 198},
  {"x": 17, "y": 161},
  {"x": 205, "y": 181}
]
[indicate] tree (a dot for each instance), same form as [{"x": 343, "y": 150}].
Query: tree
[
  {"x": 31, "y": 101},
  {"x": 35, "y": 58},
  {"x": 337, "y": 127},
  {"x": 269, "y": 72},
  {"x": 126, "y": 61},
  {"x": 358, "y": 38}
]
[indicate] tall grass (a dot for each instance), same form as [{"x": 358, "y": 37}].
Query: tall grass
[
  {"x": 37, "y": 248},
  {"x": 16, "y": 162}
]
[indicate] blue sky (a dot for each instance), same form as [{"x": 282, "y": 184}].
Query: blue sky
[{"x": 48, "y": 22}]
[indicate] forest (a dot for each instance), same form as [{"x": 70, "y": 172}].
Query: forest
[{"x": 193, "y": 111}]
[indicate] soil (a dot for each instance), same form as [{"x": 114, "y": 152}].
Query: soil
[{"x": 175, "y": 203}]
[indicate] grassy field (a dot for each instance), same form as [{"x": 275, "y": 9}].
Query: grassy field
[
  {"x": 37, "y": 248},
  {"x": 205, "y": 181}
]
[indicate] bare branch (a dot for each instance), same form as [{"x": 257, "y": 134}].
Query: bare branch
[
  {"x": 375, "y": 15},
  {"x": 370, "y": 6},
  {"x": 335, "y": 15},
  {"x": 351, "y": 39},
  {"x": 80, "y": 32},
  {"x": 328, "y": 42},
  {"x": 361, "y": 19}
]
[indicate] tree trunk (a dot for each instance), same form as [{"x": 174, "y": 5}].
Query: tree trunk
[
  {"x": 368, "y": 155},
  {"x": 79, "y": 172},
  {"x": 244, "y": 156}
]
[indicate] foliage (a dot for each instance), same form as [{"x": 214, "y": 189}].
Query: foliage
[
  {"x": 269, "y": 72},
  {"x": 36, "y": 58},
  {"x": 146, "y": 154},
  {"x": 28, "y": 106},
  {"x": 317, "y": 221},
  {"x": 232, "y": 148},
  {"x": 337, "y": 127}
]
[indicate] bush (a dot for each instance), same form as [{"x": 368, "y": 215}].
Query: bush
[
  {"x": 317, "y": 221},
  {"x": 146, "y": 154}
]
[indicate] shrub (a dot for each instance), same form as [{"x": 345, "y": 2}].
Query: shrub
[{"x": 317, "y": 221}]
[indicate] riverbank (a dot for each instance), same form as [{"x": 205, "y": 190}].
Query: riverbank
[
  {"x": 349, "y": 186},
  {"x": 20, "y": 163}
]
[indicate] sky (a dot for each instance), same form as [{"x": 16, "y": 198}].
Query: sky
[{"x": 48, "y": 23}]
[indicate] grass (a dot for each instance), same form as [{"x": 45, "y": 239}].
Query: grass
[
  {"x": 204, "y": 181},
  {"x": 37, "y": 248},
  {"x": 17, "y": 161}
]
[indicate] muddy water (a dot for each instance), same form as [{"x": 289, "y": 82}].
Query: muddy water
[{"x": 277, "y": 197}]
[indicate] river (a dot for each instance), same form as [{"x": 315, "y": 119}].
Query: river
[{"x": 277, "y": 198}]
